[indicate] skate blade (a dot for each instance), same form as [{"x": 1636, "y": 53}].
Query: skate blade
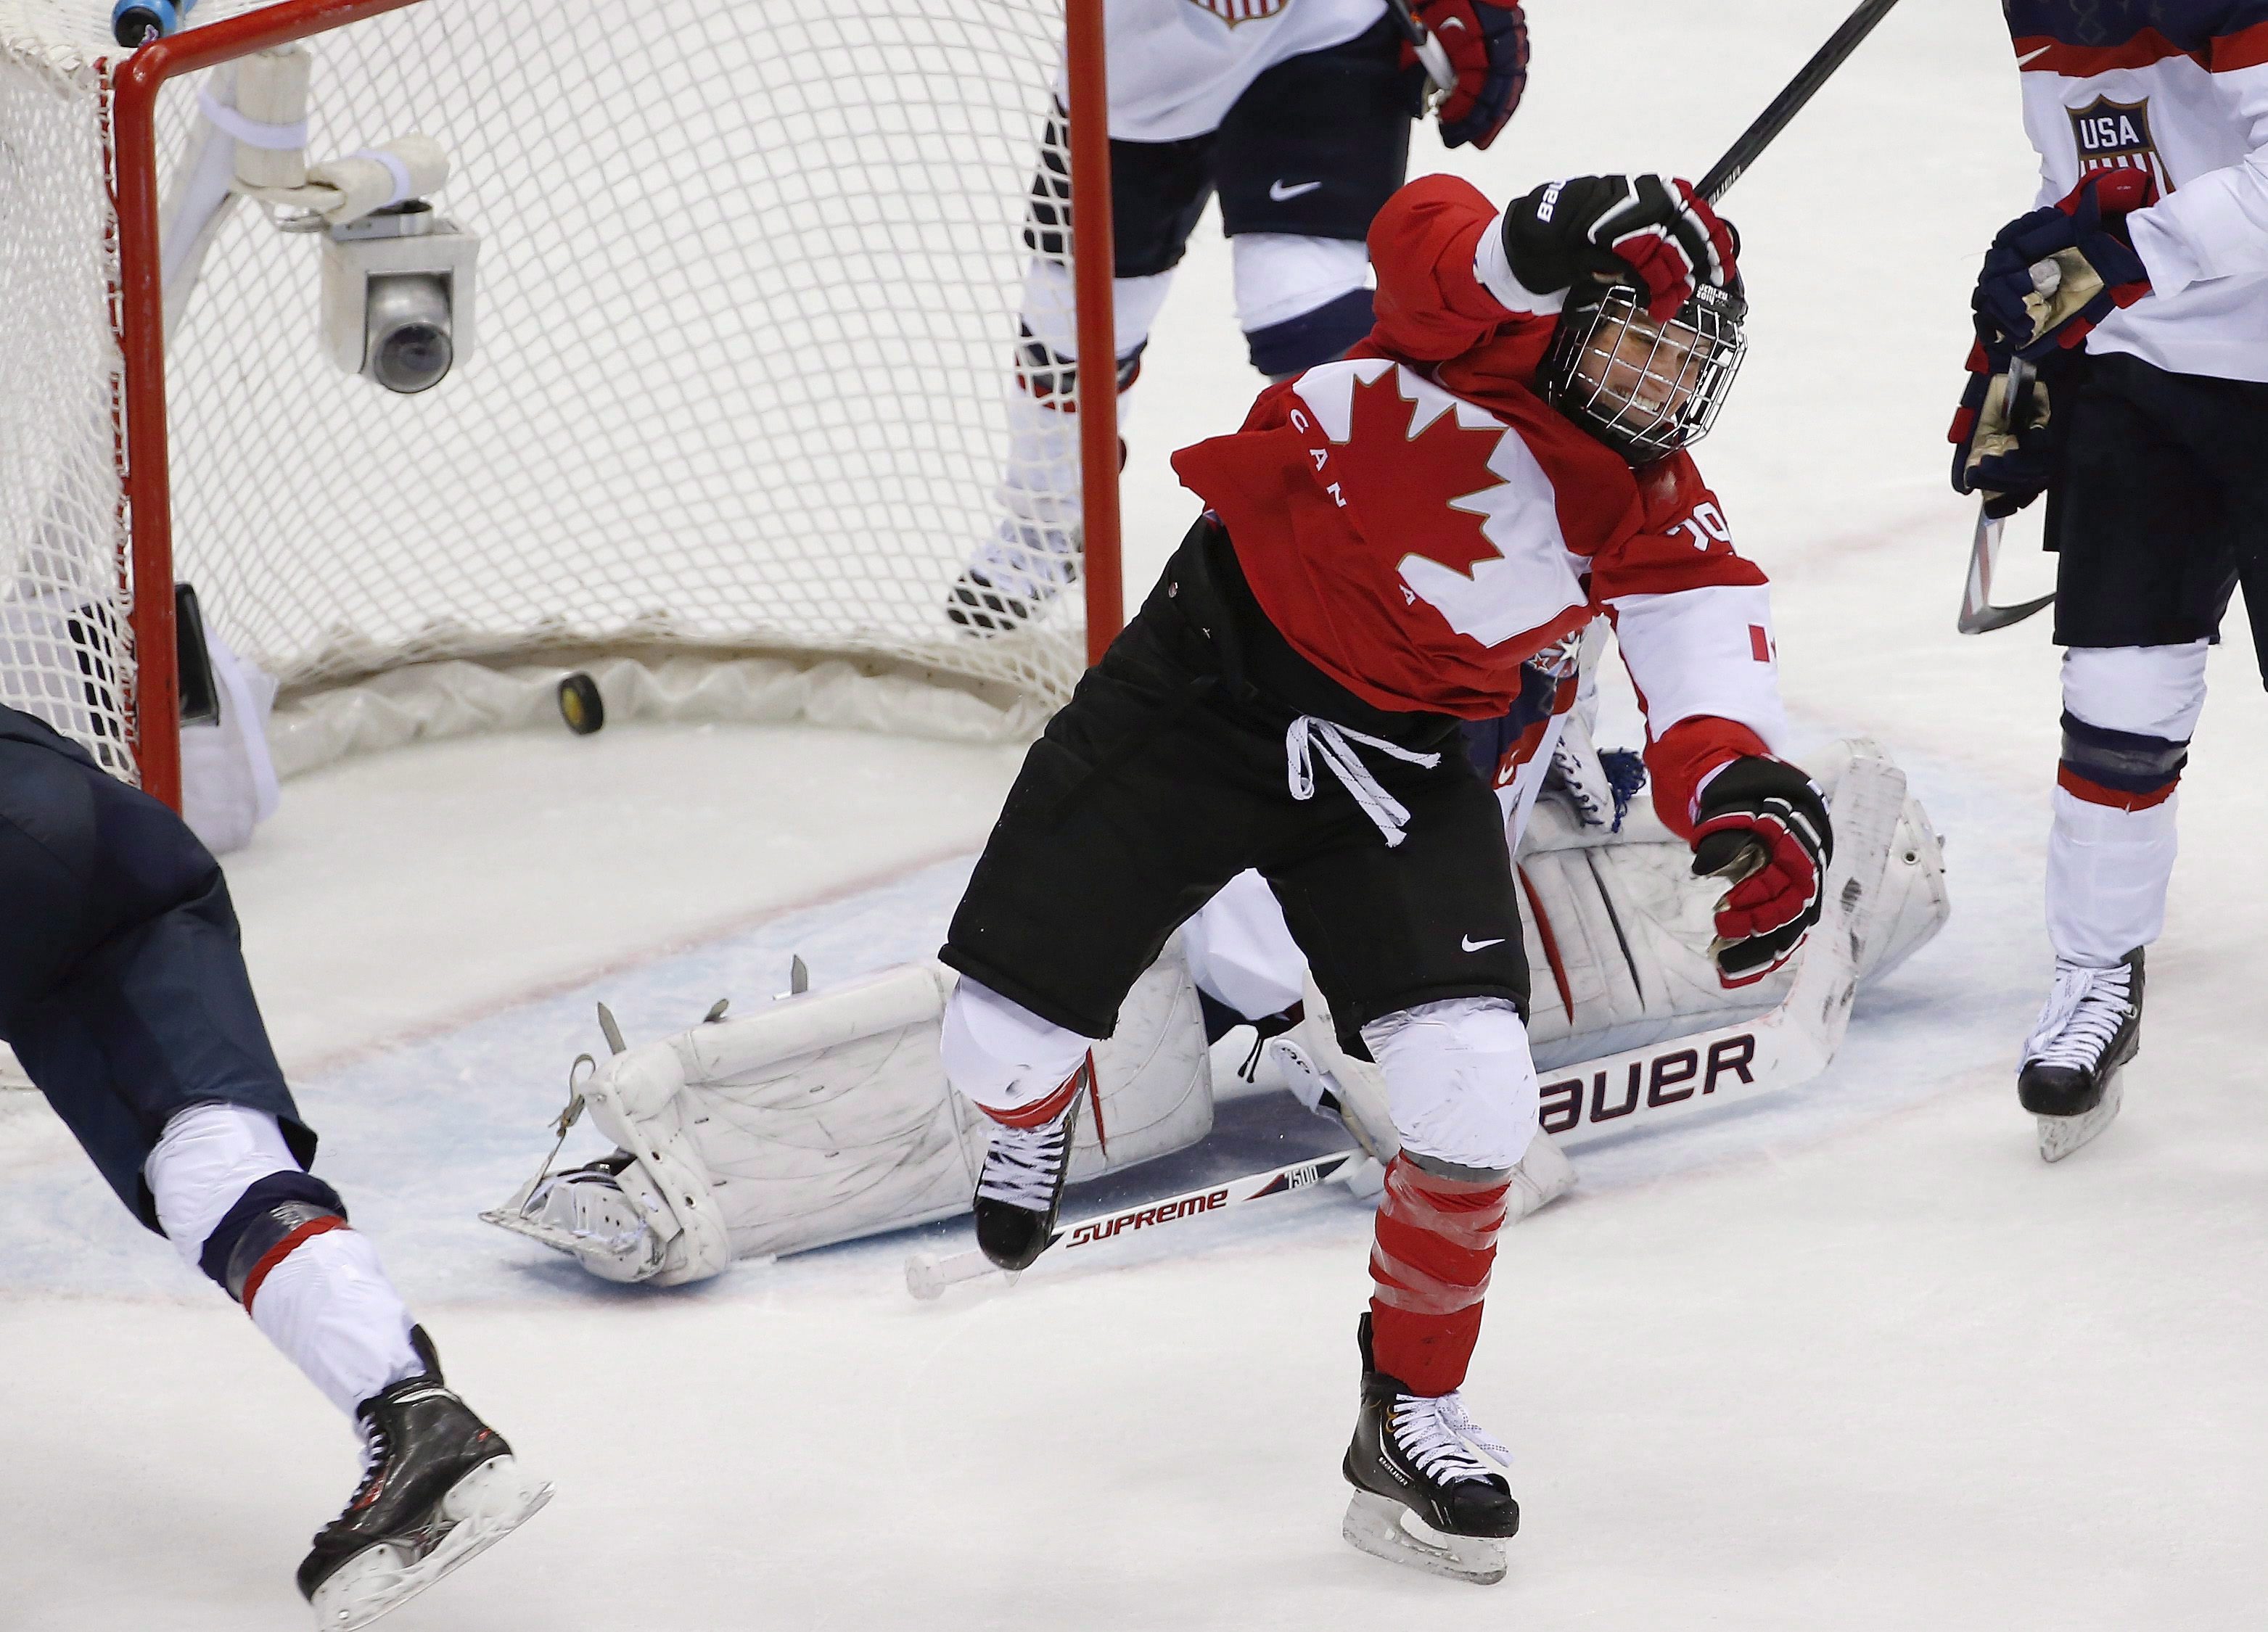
[
  {"x": 480, "y": 1510},
  {"x": 2060, "y": 1135},
  {"x": 1385, "y": 1529}
]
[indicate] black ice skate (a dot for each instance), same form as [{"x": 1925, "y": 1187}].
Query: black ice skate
[
  {"x": 439, "y": 1485},
  {"x": 1422, "y": 1498},
  {"x": 1022, "y": 1184},
  {"x": 2091, "y": 1027}
]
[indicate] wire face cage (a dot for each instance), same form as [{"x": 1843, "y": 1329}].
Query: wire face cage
[{"x": 1643, "y": 387}]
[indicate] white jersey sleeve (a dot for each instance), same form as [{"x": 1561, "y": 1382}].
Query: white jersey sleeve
[{"x": 2183, "y": 94}]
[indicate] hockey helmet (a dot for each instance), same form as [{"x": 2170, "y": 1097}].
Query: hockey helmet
[{"x": 1646, "y": 388}]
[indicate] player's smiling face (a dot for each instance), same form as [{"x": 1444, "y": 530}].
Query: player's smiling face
[{"x": 1649, "y": 370}]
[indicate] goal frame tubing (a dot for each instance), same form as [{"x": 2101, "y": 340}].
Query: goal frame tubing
[{"x": 142, "y": 334}]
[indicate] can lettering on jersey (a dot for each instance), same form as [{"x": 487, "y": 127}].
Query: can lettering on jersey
[
  {"x": 1235, "y": 11},
  {"x": 2115, "y": 136}
]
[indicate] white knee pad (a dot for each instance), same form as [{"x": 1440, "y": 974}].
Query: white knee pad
[
  {"x": 1460, "y": 1080},
  {"x": 999, "y": 1054},
  {"x": 2150, "y": 691},
  {"x": 204, "y": 1161},
  {"x": 1281, "y": 275},
  {"x": 1052, "y": 307}
]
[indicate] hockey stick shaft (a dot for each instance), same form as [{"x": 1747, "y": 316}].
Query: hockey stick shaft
[
  {"x": 1978, "y": 613},
  {"x": 1791, "y": 100},
  {"x": 1429, "y": 50},
  {"x": 927, "y": 1276}
]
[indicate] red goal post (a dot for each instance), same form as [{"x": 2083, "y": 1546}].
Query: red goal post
[{"x": 966, "y": 245}]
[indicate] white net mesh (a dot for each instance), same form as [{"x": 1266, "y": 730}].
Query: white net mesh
[
  {"x": 65, "y": 652},
  {"x": 745, "y": 321}
]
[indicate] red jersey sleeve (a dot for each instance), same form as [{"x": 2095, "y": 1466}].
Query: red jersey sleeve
[{"x": 1431, "y": 304}]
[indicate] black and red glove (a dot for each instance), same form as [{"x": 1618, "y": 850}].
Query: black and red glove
[
  {"x": 1650, "y": 230},
  {"x": 1487, "y": 47},
  {"x": 1761, "y": 827},
  {"x": 2051, "y": 276}
]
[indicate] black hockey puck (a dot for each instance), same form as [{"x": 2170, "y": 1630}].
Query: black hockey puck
[{"x": 579, "y": 704}]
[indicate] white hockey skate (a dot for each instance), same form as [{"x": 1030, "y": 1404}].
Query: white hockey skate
[{"x": 2075, "y": 1059}]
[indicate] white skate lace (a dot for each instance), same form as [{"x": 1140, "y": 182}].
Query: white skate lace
[
  {"x": 2084, "y": 1012},
  {"x": 1309, "y": 736},
  {"x": 1437, "y": 1436},
  {"x": 1021, "y": 1165}
]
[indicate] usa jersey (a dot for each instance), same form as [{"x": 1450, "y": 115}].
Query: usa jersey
[
  {"x": 2178, "y": 88},
  {"x": 1177, "y": 66}
]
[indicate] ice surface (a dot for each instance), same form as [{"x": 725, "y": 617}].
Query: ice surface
[{"x": 1852, "y": 1358}]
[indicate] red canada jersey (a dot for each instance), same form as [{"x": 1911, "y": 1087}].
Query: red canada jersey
[{"x": 1417, "y": 522}]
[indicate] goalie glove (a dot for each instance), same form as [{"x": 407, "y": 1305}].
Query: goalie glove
[
  {"x": 1651, "y": 230},
  {"x": 2004, "y": 450},
  {"x": 2083, "y": 238},
  {"x": 1761, "y": 827},
  {"x": 1487, "y": 46}
]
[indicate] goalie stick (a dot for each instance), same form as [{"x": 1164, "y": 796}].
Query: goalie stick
[
  {"x": 1782, "y": 1047},
  {"x": 927, "y": 1275}
]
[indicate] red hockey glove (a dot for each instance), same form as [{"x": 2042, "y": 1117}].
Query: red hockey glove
[
  {"x": 1487, "y": 45},
  {"x": 2004, "y": 450},
  {"x": 2090, "y": 270},
  {"x": 1762, "y": 827},
  {"x": 1650, "y": 230}
]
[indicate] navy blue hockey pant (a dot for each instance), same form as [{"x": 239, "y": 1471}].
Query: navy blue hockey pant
[{"x": 123, "y": 989}]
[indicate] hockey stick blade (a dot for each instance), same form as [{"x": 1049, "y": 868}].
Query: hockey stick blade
[
  {"x": 1979, "y": 614},
  {"x": 1782, "y": 1048},
  {"x": 928, "y": 1274}
]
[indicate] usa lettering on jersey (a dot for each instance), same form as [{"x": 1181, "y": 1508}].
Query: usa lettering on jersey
[
  {"x": 2115, "y": 136},
  {"x": 1235, "y": 11}
]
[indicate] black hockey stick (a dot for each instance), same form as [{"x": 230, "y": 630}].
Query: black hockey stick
[{"x": 1790, "y": 101}]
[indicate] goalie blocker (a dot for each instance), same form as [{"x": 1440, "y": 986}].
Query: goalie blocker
[{"x": 826, "y": 1117}]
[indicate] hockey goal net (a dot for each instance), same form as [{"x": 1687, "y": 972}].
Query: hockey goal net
[{"x": 746, "y": 310}]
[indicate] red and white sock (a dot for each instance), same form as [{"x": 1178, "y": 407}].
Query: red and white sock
[{"x": 1434, "y": 1245}]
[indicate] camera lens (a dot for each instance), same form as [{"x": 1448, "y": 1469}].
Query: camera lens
[
  {"x": 412, "y": 358},
  {"x": 409, "y": 329}
]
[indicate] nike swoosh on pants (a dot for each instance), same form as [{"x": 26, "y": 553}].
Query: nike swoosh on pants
[{"x": 1278, "y": 191}]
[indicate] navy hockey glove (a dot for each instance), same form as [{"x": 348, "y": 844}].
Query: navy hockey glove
[
  {"x": 1656, "y": 232},
  {"x": 2004, "y": 450},
  {"x": 2090, "y": 270},
  {"x": 1487, "y": 45},
  {"x": 1761, "y": 827}
]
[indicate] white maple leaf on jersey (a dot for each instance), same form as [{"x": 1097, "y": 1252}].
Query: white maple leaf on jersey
[{"x": 1531, "y": 579}]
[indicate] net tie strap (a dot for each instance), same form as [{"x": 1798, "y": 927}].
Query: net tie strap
[{"x": 253, "y": 132}]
